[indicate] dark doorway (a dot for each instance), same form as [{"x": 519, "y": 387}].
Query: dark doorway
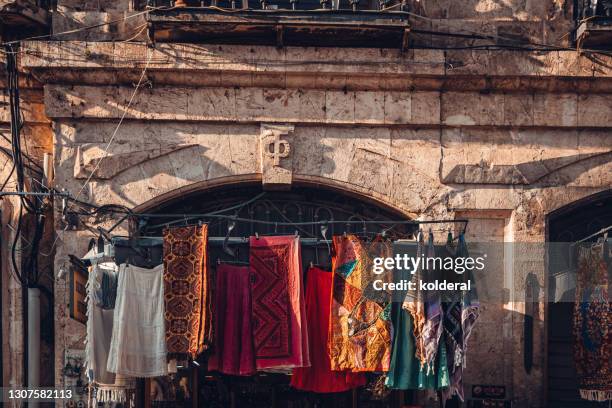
[
  {"x": 569, "y": 224},
  {"x": 300, "y": 205}
]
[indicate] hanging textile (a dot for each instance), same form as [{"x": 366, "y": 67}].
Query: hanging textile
[
  {"x": 360, "y": 327},
  {"x": 122, "y": 391},
  {"x": 319, "y": 377},
  {"x": 234, "y": 352},
  {"x": 279, "y": 323},
  {"x": 414, "y": 302},
  {"x": 138, "y": 343},
  {"x": 99, "y": 324},
  {"x": 406, "y": 372},
  {"x": 460, "y": 312},
  {"x": 593, "y": 325},
  {"x": 432, "y": 327},
  {"x": 186, "y": 291}
]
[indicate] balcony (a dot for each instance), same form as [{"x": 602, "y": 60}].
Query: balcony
[
  {"x": 594, "y": 24},
  {"x": 329, "y": 23},
  {"x": 22, "y": 18}
]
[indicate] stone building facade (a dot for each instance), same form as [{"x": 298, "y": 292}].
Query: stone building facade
[{"x": 502, "y": 137}]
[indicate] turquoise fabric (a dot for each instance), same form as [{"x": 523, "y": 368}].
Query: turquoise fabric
[{"x": 405, "y": 372}]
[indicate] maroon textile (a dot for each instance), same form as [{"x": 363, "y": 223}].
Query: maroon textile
[
  {"x": 233, "y": 353},
  {"x": 279, "y": 324}
]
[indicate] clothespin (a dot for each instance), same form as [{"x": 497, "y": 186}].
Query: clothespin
[
  {"x": 256, "y": 235},
  {"x": 100, "y": 245},
  {"x": 226, "y": 248},
  {"x": 296, "y": 233},
  {"x": 324, "y": 229},
  {"x": 199, "y": 223},
  {"x": 384, "y": 231},
  {"x": 311, "y": 264}
]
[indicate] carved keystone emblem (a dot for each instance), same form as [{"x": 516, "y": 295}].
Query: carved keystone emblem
[{"x": 274, "y": 146}]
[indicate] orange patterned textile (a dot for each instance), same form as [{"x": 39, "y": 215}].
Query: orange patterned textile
[
  {"x": 186, "y": 291},
  {"x": 360, "y": 323}
]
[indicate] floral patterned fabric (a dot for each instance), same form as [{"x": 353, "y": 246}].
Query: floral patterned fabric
[
  {"x": 187, "y": 299},
  {"x": 593, "y": 326}
]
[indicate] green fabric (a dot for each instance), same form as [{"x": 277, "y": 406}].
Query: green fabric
[{"x": 405, "y": 371}]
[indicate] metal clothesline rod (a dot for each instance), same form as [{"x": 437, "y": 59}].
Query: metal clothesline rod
[
  {"x": 601, "y": 231},
  {"x": 28, "y": 193},
  {"x": 241, "y": 240},
  {"x": 286, "y": 223}
]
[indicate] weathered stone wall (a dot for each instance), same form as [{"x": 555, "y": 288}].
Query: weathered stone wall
[{"x": 499, "y": 139}]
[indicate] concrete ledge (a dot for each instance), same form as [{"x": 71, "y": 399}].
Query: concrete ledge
[
  {"x": 454, "y": 109},
  {"x": 227, "y": 65}
]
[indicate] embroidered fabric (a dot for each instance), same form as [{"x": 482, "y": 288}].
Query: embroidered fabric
[
  {"x": 593, "y": 325},
  {"x": 188, "y": 302},
  {"x": 360, "y": 329},
  {"x": 279, "y": 315}
]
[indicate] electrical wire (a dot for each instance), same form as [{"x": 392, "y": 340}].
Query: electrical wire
[
  {"x": 112, "y": 138},
  {"x": 106, "y": 150},
  {"x": 466, "y": 33},
  {"x": 25, "y": 174},
  {"x": 519, "y": 43}
]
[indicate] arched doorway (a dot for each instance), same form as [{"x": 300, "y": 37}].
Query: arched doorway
[
  {"x": 569, "y": 224},
  {"x": 302, "y": 204}
]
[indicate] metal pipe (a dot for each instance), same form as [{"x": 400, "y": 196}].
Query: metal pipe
[{"x": 33, "y": 339}]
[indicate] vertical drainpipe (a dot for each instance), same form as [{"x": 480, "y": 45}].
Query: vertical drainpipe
[
  {"x": 33, "y": 339},
  {"x": 1, "y": 312}
]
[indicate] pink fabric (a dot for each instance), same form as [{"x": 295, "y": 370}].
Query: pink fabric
[
  {"x": 279, "y": 317},
  {"x": 233, "y": 353}
]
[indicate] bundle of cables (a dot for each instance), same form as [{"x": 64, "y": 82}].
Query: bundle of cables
[{"x": 28, "y": 177}]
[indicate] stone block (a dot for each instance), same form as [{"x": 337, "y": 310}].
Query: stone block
[
  {"x": 397, "y": 107},
  {"x": 212, "y": 104},
  {"x": 465, "y": 109},
  {"x": 425, "y": 108},
  {"x": 250, "y": 104},
  {"x": 312, "y": 105},
  {"x": 369, "y": 107},
  {"x": 281, "y": 105},
  {"x": 555, "y": 110},
  {"x": 364, "y": 165},
  {"x": 518, "y": 110},
  {"x": 340, "y": 107},
  {"x": 595, "y": 110}
]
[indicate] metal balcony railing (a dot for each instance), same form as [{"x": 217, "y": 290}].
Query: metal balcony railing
[
  {"x": 331, "y": 23},
  {"x": 302, "y": 5},
  {"x": 594, "y": 24},
  {"x": 23, "y": 18},
  {"x": 600, "y": 10}
]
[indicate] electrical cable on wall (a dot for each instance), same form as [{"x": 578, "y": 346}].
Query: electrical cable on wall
[{"x": 516, "y": 44}]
